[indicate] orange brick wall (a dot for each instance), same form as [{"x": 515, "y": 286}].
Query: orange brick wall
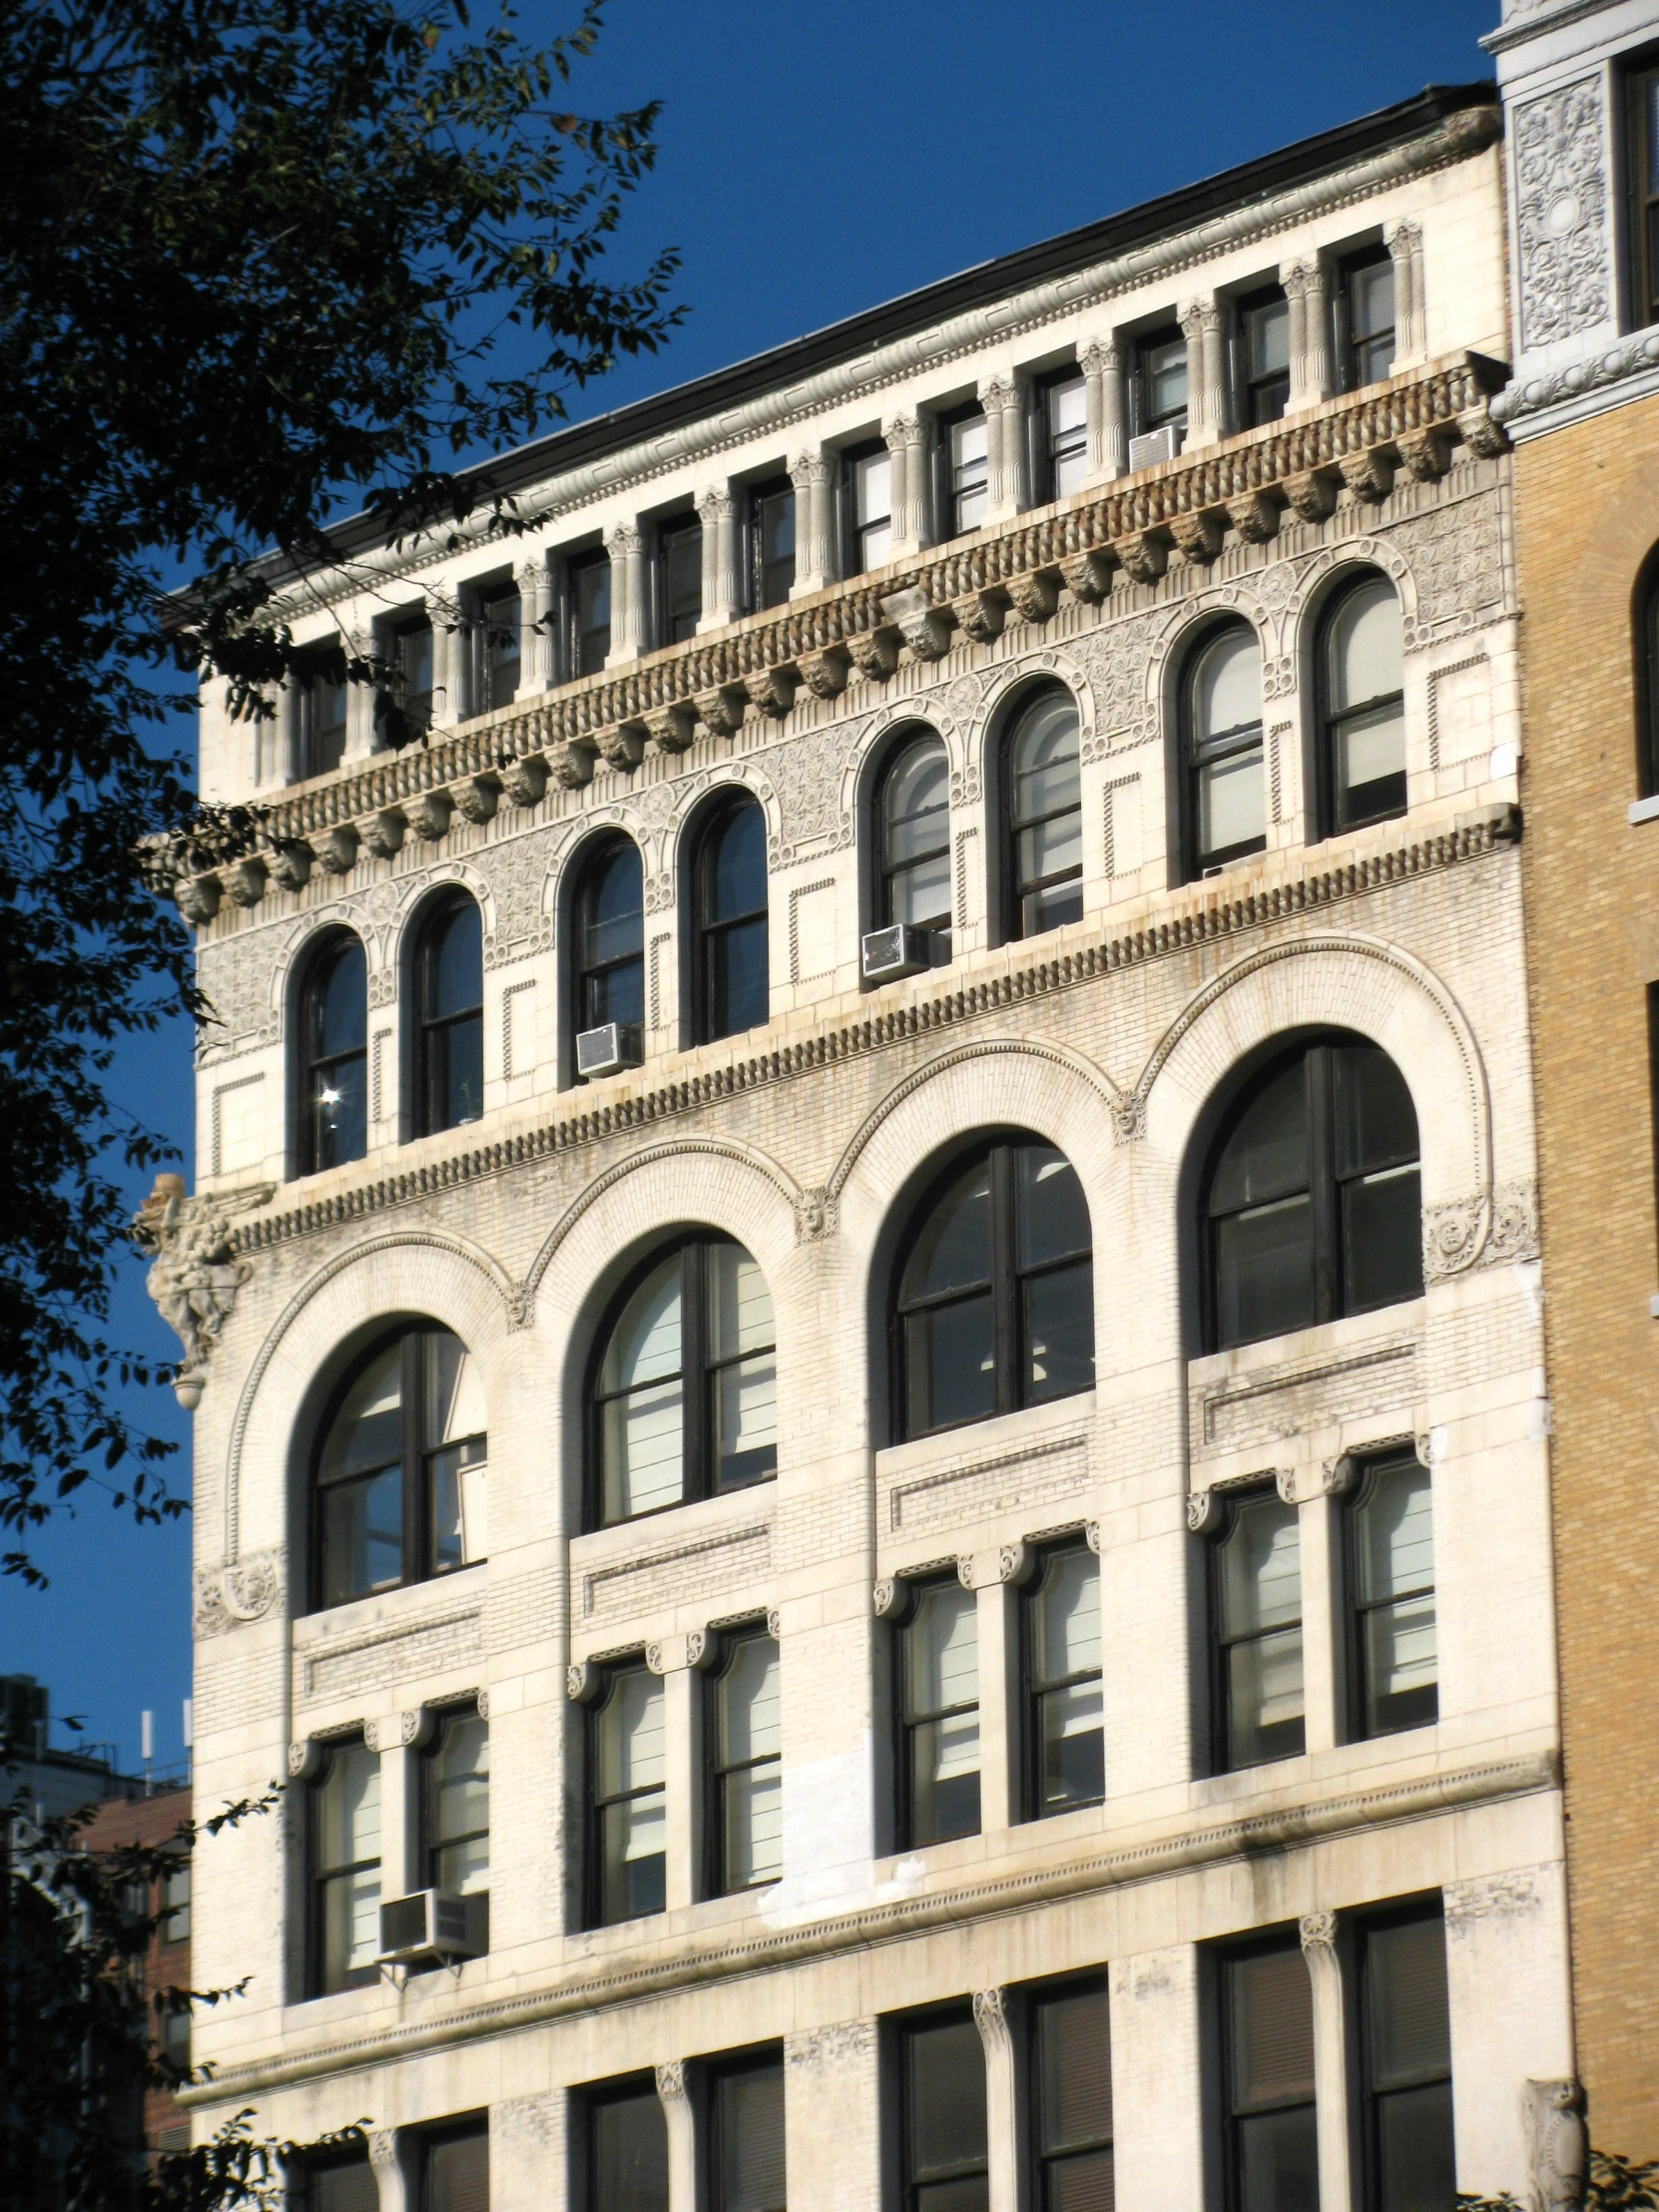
[{"x": 1587, "y": 514}]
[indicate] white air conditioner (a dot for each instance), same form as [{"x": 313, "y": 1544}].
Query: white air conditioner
[
  {"x": 1153, "y": 446},
  {"x": 613, "y": 1046},
  {"x": 429, "y": 1924},
  {"x": 895, "y": 952}
]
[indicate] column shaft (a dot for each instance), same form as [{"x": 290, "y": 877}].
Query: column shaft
[
  {"x": 721, "y": 601},
  {"x": 810, "y": 474},
  {"x": 682, "y": 1721},
  {"x": 999, "y": 1703},
  {"x": 533, "y": 641},
  {"x": 992, "y": 2010},
  {"x": 628, "y": 611},
  {"x": 1103, "y": 409},
  {"x": 1331, "y": 2096},
  {"x": 673, "y": 2089}
]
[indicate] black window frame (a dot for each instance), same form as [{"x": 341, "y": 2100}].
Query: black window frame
[
  {"x": 1197, "y": 755},
  {"x": 911, "y": 2184},
  {"x": 1049, "y": 447},
  {"x": 761, "y": 2058},
  {"x": 1222, "y": 1644},
  {"x": 1034, "y": 1690},
  {"x": 1256, "y": 391},
  {"x": 949, "y": 493},
  {"x": 317, "y": 2167},
  {"x": 1368, "y": 1469},
  {"x": 408, "y": 714},
  {"x": 331, "y": 948},
  {"x": 907, "y": 1623},
  {"x": 717, "y": 1881},
  {"x": 595, "y": 1807},
  {"x": 1364, "y": 1927},
  {"x": 1015, "y": 890},
  {"x": 623, "y": 2089},
  {"x": 487, "y": 629},
  {"x": 1044, "y": 2157},
  {"x": 1227, "y": 1957},
  {"x": 433, "y": 1032},
  {"x": 1645, "y": 634},
  {"x": 595, "y": 863},
  {"x": 323, "y": 667},
  {"x": 318, "y": 1878},
  {"x": 1324, "y": 1186},
  {"x": 433, "y": 1845},
  {"x": 471, "y": 2127},
  {"x": 1640, "y": 74},
  {"x": 1146, "y": 344},
  {"x": 678, "y": 538},
  {"x": 581, "y": 656},
  {"x": 417, "y": 1462},
  {"x": 1006, "y": 1281},
  {"x": 1331, "y": 719},
  {"x": 1348, "y": 345},
  {"x": 914, "y": 737},
  {"x": 699, "y": 1449},
  {"x": 706, "y": 929},
  {"x": 853, "y": 530},
  {"x": 763, "y": 587}
]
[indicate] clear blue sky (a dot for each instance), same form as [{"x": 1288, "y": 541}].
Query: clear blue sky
[{"x": 814, "y": 161}]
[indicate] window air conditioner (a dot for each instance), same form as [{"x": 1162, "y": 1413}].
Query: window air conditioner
[
  {"x": 614, "y": 1045},
  {"x": 428, "y": 1925},
  {"x": 1153, "y": 446},
  {"x": 895, "y": 952}
]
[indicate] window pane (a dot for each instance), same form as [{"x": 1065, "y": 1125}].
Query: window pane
[
  {"x": 915, "y": 802},
  {"x": 591, "y": 591},
  {"x": 363, "y": 1535},
  {"x": 1367, "y": 646},
  {"x": 954, "y": 1248},
  {"x": 1074, "y": 2043},
  {"x": 1074, "y": 1747},
  {"x": 1232, "y": 803},
  {"x": 1264, "y": 1272},
  {"x": 1394, "y": 1570},
  {"x": 1226, "y": 685},
  {"x": 367, "y": 1430},
  {"x": 873, "y": 487},
  {"x": 1272, "y": 2028},
  {"x": 739, "y": 985},
  {"x": 642, "y": 1447},
  {"x": 947, "y": 2099},
  {"x": 746, "y": 1421},
  {"x": 774, "y": 526},
  {"x": 754, "y": 1835},
  {"x": 455, "y": 963},
  {"x": 682, "y": 556},
  {"x": 1163, "y": 375},
  {"x": 614, "y": 908},
  {"x": 1264, "y": 1699},
  {"x": 969, "y": 467},
  {"x": 350, "y": 2187},
  {"x": 737, "y": 868},
  {"x": 950, "y": 1365},
  {"x": 461, "y": 1796},
  {"x": 1267, "y": 331},
  {"x": 458, "y": 2174},
  {"x": 920, "y": 894},
  {"x": 750, "y": 1702},
  {"x": 632, "y": 1755},
  {"x": 739, "y": 1305},
  {"x": 1372, "y": 296},
  {"x": 942, "y": 1650},
  {"x": 454, "y": 1393},
  {"x": 1383, "y": 1239},
  {"x": 1415, "y": 2155},
  {"x": 636, "y": 1841},
  {"x": 1043, "y": 758},
  {"x": 1397, "y": 1532},
  {"x": 1068, "y": 1605},
  {"x": 1375, "y": 1120},
  {"x": 1082, "y": 2183},
  {"x": 1262, "y": 1568},
  {"x": 1279, "y": 2162},
  {"x": 645, "y": 1345},
  {"x": 749, "y": 2128},
  {"x": 630, "y": 2154},
  {"x": 1371, "y": 764},
  {"x": 1267, "y": 1154},
  {"x": 1052, "y": 848},
  {"x": 349, "y": 1810},
  {"x": 339, "y": 1002},
  {"x": 1058, "y": 1319},
  {"x": 1054, "y": 1215},
  {"x": 1411, "y": 2030},
  {"x": 339, "y": 1112}
]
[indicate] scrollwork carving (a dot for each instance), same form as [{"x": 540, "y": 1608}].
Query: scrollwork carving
[
  {"x": 240, "y": 1590},
  {"x": 1561, "y": 213}
]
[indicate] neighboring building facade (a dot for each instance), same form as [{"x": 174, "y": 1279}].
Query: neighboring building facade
[
  {"x": 1011, "y": 1655},
  {"x": 155, "y": 1824},
  {"x": 1579, "y": 86},
  {"x": 40, "y": 1780}
]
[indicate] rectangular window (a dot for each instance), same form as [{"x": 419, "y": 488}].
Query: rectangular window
[
  {"x": 174, "y": 2036},
  {"x": 1255, "y": 1632},
  {"x": 174, "y": 1924},
  {"x": 341, "y": 2185},
  {"x": 457, "y": 1812},
  {"x": 944, "y": 2146},
  {"x": 411, "y": 669},
  {"x": 940, "y": 1715},
  {"x": 1159, "y": 379},
  {"x": 870, "y": 503},
  {"x": 455, "y": 2170},
  {"x": 1642, "y": 143},
  {"x": 322, "y": 707},
  {"x": 679, "y": 579},
  {"x": 746, "y": 2135},
  {"x": 1263, "y": 377},
  {"x": 495, "y": 642},
  {"x": 771, "y": 543},
  {"x": 965, "y": 455},
  {"x": 1393, "y": 1662},
  {"x": 1267, "y": 2020},
  {"x": 1063, "y": 433},
  {"x": 1071, "y": 2097},
  {"x": 346, "y": 1870},
  {"x": 1406, "y": 2038},
  {"x": 627, "y": 2149},
  {"x": 589, "y": 583},
  {"x": 1066, "y": 1746},
  {"x": 628, "y": 1762},
  {"x": 744, "y": 1736},
  {"x": 1365, "y": 318}
]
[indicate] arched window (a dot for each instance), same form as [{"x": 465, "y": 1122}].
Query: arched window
[
  {"x": 994, "y": 1305},
  {"x": 685, "y": 1392},
  {"x": 450, "y": 993},
  {"x": 1311, "y": 1203},
  {"x": 1227, "y": 816},
  {"x": 1647, "y": 679},
  {"x": 400, "y": 1473},
  {"x": 610, "y": 937},
  {"x": 1360, "y": 666},
  {"x": 333, "y": 1030},
  {"x": 914, "y": 814},
  {"x": 1045, "y": 865},
  {"x": 730, "y": 985}
]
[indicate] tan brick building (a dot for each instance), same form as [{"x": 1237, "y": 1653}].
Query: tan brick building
[{"x": 1584, "y": 415}]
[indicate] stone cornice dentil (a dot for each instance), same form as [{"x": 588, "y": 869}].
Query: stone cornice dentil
[{"x": 1459, "y": 137}]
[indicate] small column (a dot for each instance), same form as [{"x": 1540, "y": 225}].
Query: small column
[
  {"x": 903, "y": 437},
  {"x": 1103, "y": 410},
  {"x": 387, "y": 2161},
  {"x": 676, "y": 1659},
  {"x": 535, "y": 597},
  {"x": 1204, "y": 417},
  {"x": 814, "y": 561},
  {"x": 1317, "y": 1529},
  {"x": 448, "y": 649},
  {"x": 1320, "y": 1947},
  {"x": 626, "y": 547},
  {"x": 674, "y": 2094},
  {"x": 361, "y": 736},
  {"x": 1305, "y": 287},
  {"x": 717, "y": 510},
  {"x": 1004, "y": 448},
  {"x": 400, "y": 1803},
  {"x": 992, "y": 1576},
  {"x": 991, "y": 2016},
  {"x": 1404, "y": 241},
  {"x": 277, "y": 738}
]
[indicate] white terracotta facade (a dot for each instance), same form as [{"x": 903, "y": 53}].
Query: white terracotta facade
[{"x": 807, "y": 1141}]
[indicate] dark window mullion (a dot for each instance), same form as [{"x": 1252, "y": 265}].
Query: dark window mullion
[
  {"x": 1321, "y": 1155},
  {"x": 697, "y": 1440},
  {"x": 1007, "y": 1323},
  {"x": 414, "y": 1517}
]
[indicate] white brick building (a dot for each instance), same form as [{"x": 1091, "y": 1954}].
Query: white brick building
[{"x": 994, "y": 1681}]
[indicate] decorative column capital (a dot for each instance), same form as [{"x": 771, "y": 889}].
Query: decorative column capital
[
  {"x": 714, "y": 504},
  {"x": 624, "y": 541},
  {"x": 671, "y": 2081},
  {"x": 1100, "y": 357},
  {"x": 1318, "y": 1932},
  {"x": 383, "y": 2148},
  {"x": 991, "y": 2018}
]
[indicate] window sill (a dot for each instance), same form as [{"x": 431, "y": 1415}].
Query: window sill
[{"x": 1643, "y": 809}]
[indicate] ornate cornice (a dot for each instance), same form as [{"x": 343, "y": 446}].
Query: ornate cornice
[
  {"x": 1196, "y": 919},
  {"x": 1635, "y": 355},
  {"x": 753, "y": 665}
]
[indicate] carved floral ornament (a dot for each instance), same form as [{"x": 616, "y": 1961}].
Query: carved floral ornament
[
  {"x": 1126, "y": 531},
  {"x": 195, "y": 1274}
]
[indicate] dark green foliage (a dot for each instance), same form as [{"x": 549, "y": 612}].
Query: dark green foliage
[
  {"x": 255, "y": 257},
  {"x": 1615, "y": 2186}
]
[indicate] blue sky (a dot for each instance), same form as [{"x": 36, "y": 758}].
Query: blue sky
[{"x": 814, "y": 161}]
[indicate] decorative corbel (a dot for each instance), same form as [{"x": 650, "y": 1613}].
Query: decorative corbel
[
  {"x": 570, "y": 762},
  {"x": 771, "y": 689},
  {"x": 1198, "y": 534},
  {"x": 1034, "y": 595},
  {"x": 583, "y": 1682},
  {"x": 1143, "y": 555},
  {"x": 524, "y": 781},
  {"x": 1312, "y": 493},
  {"x": 428, "y": 816},
  {"x": 825, "y": 672},
  {"x": 924, "y": 628},
  {"x": 383, "y": 833},
  {"x": 198, "y": 897},
  {"x": 670, "y": 729},
  {"x": 291, "y": 863},
  {"x": 476, "y": 798},
  {"x": 885, "y": 1598},
  {"x": 720, "y": 711},
  {"x": 1088, "y": 576},
  {"x": 244, "y": 879},
  {"x": 335, "y": 849},
  {"x": 875, "y": 652},
  {"x": 980, "y": 614},
  {"x": 1369, "y": 475},
  {"x": 623, "y": 747},
  {"x": 195, "y": 1272}
]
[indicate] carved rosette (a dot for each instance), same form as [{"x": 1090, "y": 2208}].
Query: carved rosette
[
  {"x": 1318, "y": 1930},
  {"x": 240, "y": 1590}
]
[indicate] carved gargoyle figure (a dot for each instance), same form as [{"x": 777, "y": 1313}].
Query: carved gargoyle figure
[
  {"x": 1558, "y": 2145},
  {"x": 194, "y": 1278}
]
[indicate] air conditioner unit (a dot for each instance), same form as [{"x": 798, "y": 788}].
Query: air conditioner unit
[
  {"x": 895, "y": 952},
  {"x": 1153, "y": 446},
  {"x": 613, "y": 1046},
  {"x": 429, "y": 1924}
]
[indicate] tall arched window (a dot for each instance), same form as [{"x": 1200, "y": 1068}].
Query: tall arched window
[
  {"x": 1647, "y": 679},
  {"x": 684, "y": 1395},
  {"x": 333, "y": 1032},
  {"x": 449, "y": 961},
  {"x": 1044, "y": 863},
  {"x": 1362, "y": 679},
  {"x": 993, "y": 1304},
  {"x": 400, "y": 1472},
  {"x": 730, "y": 984},
  {"x": 610, "y": 936},
  {"x": 1226, "y": 791},
  {"x": 1311, "y": 1201},
  {"x": 914, "y": 814}
]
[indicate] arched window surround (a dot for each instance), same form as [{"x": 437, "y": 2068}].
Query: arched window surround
[
  {"x": 1015, "y": 712},
  {"x": 322, "y": 1055},
  {"x": 1219, "y": 775},
  {"x": 725, "y": 941},
  {"x": 445, "y": 1030},
  {"x": 1336, "y": 592},
  {"x": 886, "y": 759},
  {"x": 588, "y": 865}
]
